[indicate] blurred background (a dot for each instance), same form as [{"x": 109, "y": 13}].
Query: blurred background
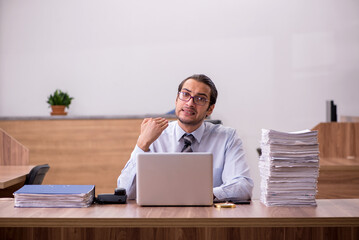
[{"x": 275, "y": 63}]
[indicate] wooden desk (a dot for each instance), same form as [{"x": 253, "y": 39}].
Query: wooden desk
[
  {"x": 12, "y": 175},
  {"x": 12, "y": 178},
  {"x": 331, "y": 219}
]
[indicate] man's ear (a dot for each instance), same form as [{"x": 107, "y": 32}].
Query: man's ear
[{"x": 210, "y": 110}]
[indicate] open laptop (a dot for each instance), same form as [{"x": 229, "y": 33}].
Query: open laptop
[{"x": 174, "y": 179}]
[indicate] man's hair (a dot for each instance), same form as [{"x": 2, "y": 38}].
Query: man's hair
[{"x": 206, "y": 80}]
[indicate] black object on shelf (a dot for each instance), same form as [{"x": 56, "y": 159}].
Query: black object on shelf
[{"x": 331, "y": 111}]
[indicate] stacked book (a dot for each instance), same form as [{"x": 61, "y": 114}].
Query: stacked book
[
  {"x": 289, "y": 168},
  {"x": 59, "y": 196}
]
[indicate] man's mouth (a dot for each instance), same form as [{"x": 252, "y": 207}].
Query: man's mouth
[{"x": 189, "y": 111}]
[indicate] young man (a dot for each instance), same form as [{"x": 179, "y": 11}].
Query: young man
[{"x": 195, "y": 101}]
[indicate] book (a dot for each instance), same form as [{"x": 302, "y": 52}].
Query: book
[{"x": 55, "y": 196}]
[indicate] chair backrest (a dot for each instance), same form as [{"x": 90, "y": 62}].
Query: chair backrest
[
  {"x": 214, "y": 121},
  {"x": 37, "y": 174}
]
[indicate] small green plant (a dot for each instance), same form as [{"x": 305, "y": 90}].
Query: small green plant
[{"x": 59, "y": 98}]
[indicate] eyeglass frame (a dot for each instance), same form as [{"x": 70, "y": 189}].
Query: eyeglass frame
[{"x": 193, "y": 97}]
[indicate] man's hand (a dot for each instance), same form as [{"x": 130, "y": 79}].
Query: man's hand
[{"x": 151, "y": 129}]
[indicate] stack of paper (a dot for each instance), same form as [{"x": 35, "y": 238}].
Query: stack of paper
[
  {"x": 289, "y": 167},
  {"x": 48, "y": 196}
]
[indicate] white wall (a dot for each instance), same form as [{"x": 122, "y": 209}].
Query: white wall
[{"x": 275, "y": 62}]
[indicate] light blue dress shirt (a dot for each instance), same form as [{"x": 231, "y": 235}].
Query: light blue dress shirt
[{"x": 231, "y": 179}]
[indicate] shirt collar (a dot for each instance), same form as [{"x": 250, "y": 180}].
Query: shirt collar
[{"x": 198, "y": 133}]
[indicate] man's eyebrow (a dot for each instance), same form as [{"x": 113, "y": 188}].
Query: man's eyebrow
[
  {"x": 186, "y": 89},
  {"x": 201, "y": 94},
  {"x": 198, "y": 94}
]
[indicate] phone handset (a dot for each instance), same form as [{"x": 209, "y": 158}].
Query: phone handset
[{"x": 119, "y": 197}]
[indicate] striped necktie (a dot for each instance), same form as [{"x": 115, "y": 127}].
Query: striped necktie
[{"x": 188, "y": 140}]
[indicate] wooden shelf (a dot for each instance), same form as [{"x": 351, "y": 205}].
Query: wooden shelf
[
  {"x": 12, "y": 152},
  {"x": 79, "y": 151},
  {"x": 339, "y": 160},
  {"x": 338, "y": 141}
]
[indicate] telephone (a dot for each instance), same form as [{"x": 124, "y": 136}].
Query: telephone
[{"x": 119, "y": 197}]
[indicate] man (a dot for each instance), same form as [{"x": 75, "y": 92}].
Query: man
[{"x": 195, "y": 101}]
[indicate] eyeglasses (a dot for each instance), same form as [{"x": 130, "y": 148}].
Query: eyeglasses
[{"x": 185, "y": 96}]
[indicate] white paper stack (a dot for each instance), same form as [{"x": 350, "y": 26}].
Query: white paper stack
[{"x": 289, "y": 168}]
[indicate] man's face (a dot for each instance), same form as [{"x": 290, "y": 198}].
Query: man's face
[{"x": 189, "y": 113}]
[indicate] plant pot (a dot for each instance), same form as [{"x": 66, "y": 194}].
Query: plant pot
[{"x": 58, "y": 110}]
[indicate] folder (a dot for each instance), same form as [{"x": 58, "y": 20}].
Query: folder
[{"x": 55, "y": 196}]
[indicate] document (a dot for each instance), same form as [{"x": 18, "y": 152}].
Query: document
[
  {"x": 289, "y": 167},
  {"x": 55, "y": 196}
]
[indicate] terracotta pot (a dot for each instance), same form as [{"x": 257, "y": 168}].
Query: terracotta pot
[{"x": 58, "y": 110}]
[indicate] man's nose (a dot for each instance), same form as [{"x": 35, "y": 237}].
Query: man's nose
[{"x": 191, "y": 102}]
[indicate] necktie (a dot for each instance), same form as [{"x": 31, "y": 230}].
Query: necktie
[{"x": 188, "y": 140}]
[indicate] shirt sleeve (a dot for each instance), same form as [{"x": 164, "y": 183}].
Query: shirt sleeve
[
  {"x": 237, "y": 184},
  {"x": 127, "y": 179}
]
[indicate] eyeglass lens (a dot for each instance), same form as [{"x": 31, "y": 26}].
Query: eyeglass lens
[{"x": 197, "y": 99}]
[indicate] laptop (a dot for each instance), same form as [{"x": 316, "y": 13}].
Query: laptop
[{"x": 174, "y": 179}]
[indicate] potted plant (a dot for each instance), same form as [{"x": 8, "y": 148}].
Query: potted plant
[{"x": 58, "y": 101}]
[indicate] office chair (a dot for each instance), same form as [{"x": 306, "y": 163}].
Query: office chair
[
  {"x": 37, "y": 175},
  {"x": 214, "y": 121}
]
